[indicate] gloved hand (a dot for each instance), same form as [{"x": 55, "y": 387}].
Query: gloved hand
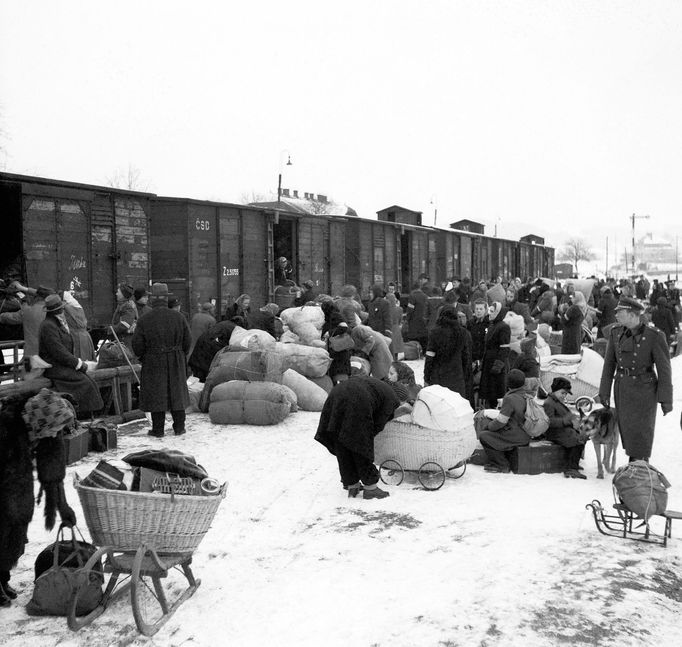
[
  {"x": 666, "y": 408},
  {"x": 605, "y": 403},
  {"x": 67, "y": 514},
  {"x": 497, "y": 367},
  {"x": 83, "y": 368}
]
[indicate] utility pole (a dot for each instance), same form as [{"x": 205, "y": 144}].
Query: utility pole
[{"x": 634, "y": 264}]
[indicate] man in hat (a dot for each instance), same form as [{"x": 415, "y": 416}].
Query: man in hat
[
  {"x": 162, "y": 340},
  {"x": 124, "y": 318},
  {"x": 67, "y": 371},
  {"x": 633, "y": 351},
  {"x": 563, "y": 427}
]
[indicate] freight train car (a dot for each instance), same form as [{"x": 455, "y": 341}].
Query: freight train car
[{"x": 67, "y": 235}]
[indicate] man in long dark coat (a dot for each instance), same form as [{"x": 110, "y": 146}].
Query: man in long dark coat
[
  {"x": 356, "y": 411},
  {"x": 632, "y": 353},
  {"x": 417, "y": 311},
  {"x": 495, "y": 365},
  {"x": 161, "y": 340}
]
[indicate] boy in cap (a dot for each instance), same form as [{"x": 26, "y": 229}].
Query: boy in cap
[
  {"x": 637, "y": 365},
  {"x": 563, "y": 426}
]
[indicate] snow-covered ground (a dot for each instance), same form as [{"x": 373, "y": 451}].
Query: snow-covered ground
[{"x": 490, "y": 559}]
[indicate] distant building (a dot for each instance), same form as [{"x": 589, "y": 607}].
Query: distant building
[
  {"x": 400, "y": 215},
  {"x": 307, "y": 204},
  {"x": 532, "y": 239},
  {"x": 468, "y": 225}
]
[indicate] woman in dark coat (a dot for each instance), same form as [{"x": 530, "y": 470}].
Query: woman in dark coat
[
  {"x": 161, "y": 341},
  {"x": 335, "y": 325},
  {"x": 572, "y": 322},
  {"x": 607, "y": 310},
  {"x": 447, "y": 361},
  {"x": 662, "y": 318},
  {"x": 68, "y": 372},
  {"x": 240, "y": 308},
  {"x": 354, "y": 413},
  {"x": 505, "y": 432},
  {"x": 495, "y": 357},
  {"x": 208, "y": 344},
  {"x": 563, "y": 426}
]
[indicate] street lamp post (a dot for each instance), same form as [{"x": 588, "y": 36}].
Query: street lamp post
[
  {"x": 279, "y": 177},
  {"x": 634, "y": 263}
]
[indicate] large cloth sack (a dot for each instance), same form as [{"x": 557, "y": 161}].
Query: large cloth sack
[
  {"x": 306, "y": 360},
  {"x": 255, "y": 339},
  {"x": 642, "y": 488},
  {"x": 516, "y": 325},
  {"x": 252, "y": 366},
  {"x": 251, "y": 403},
  {"x": 324, "y": 382},
  {"x": 309, "y": 395},
  {"x": 437, "y": 407},
  {"x": 413, "y": 350},
  {"x": 583, "y": 285},
  {"x": 56, "y": 578},
  {"x": 306, "y": 322}
]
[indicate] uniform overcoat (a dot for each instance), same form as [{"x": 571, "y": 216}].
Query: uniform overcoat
[
  {"x": 629, "y": 366},
  {"x": 161, "y": 340}
]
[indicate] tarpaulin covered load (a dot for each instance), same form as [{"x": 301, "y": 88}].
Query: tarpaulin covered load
[
  {"x": 306, "y": 360},
  {"x": 310, "y": 396},
  {"x": 251, "y": 403}
]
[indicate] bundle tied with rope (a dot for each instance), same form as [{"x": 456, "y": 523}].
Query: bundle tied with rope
[{"x": 642, "y": 488}]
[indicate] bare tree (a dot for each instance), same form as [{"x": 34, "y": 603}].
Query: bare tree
[
  {"x": 319, "y": 207},
  {"x": 576, "y": 250},
  {"x": 249, "y": 197},
  {"x": 130, "y": 179}
]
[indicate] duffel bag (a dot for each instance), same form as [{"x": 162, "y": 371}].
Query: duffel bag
[
  {"x": 642, "y": 488},
  {"x": 113, "y": 353},
  {"x": 57, "y": 578}
]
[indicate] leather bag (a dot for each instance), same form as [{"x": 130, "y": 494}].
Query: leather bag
[{"x": 57, "y": 577}]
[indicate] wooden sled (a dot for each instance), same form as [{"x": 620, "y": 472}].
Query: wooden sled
[{"x": 626, "y": 525}]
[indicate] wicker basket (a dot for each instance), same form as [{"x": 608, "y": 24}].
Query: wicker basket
[
  {"x": 412, "y": 445},
  {"x": 167, "y": 523}
]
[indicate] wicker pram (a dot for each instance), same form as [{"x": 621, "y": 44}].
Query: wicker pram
[
  {"x": 433, "y": 453},
  {"x": 166, "y": 522},
  {"x": 581, "y": 390}
]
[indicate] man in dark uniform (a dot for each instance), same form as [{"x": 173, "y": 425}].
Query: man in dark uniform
[
  {"x": 632, "y": 353},
  {"x": 161, "y": 340}
]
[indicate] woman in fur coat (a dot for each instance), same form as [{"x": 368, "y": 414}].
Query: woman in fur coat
[{"x": 448, "y": 359}]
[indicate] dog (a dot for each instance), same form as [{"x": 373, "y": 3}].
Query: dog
[{"x": 601, "y": 427}]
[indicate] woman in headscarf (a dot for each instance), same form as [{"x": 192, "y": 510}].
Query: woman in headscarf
[
  {"x": 353, "y": 414},
  {"x": 572, "y": 322},
  {"x": 447, "y": 360},
  {"x": 401, "y": 373},
  {"x": 335, "y": 326},
  {"x": 240, "y": 308},
  {"x": 67, "y": 371},
  {"x": 495, "y": 363},
  {"x": 78, "y": 327}
]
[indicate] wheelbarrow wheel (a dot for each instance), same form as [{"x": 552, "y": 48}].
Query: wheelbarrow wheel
[
  {"x": 431, "y": 476},
  {"x": 146, "y": 592},
  {"x": 391, "y": 472}
]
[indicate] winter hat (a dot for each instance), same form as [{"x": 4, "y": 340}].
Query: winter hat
[
  {"x": 515, "y": 379},
  {"x": 308, "y": 284},
  {"x": 495, "y": 309},
  {"x": 272, "y": 308},
  {"x": 139, "y": 293},
  {"x": 126, "y": 290},
  {"x": 53, "y": 304},
  {"x": 348, "y": 291},
  {"x": 560, "y": 383},
  {"x": 207, "y": 306},
  {"x": 42, "y": 291}
]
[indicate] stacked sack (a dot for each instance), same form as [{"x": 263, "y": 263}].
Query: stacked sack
[
  {"x": 304, "y": 325},
  {"x": 252, "y": 403}
]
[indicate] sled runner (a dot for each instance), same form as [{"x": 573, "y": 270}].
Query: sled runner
[{"x": 624, "y": 524}]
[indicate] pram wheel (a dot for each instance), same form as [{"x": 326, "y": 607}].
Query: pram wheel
[
  {"x": 391, "y": 472},
  {"x": 431, "y": 476},
  {"x": 584, "y": 403},
  {"x": 457, "y": 471}
]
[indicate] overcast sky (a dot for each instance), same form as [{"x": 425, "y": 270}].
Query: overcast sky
[{"x": 557, "y": 118}]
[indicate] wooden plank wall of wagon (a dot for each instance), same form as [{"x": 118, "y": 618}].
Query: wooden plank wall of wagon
[
  {"x": 336, "y": 256},
  {"x": 365, "y": 252},
  {"x": 202, "y": 230},
  {"x": 254, "y": 245},
  {"x": 465, "y": 259},
  {"x": 391, "y": 258},
  {"x": 378, "y": 269},
  {"x": 40, "y": 236},
  {"x": 103, "y": 263},
  {"x": 313, "y": 242},
  {"x": 435, "y": 257},
  {"x": 132, "y": 239},
  {"x": 230, "y": 257},
  {"x": 352, "y": 253},
  {"x": 419, "y": 253}
]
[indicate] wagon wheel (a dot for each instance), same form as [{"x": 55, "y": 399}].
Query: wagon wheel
[
  {"x": 391, "y": 472},
  {"x": 457, "y": 471},
  {"x": 585, "y": 403},
  {"x": 431, "y": 476},
  {"x": 148, "y": 600}
]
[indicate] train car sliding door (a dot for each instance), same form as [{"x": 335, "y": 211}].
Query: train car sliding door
[
  {"x": 230, "y": 256},
  {"x": 336, "y": 258},
  {"x": 406, "y": 261},
  {"x": 312, "y": 252}
]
